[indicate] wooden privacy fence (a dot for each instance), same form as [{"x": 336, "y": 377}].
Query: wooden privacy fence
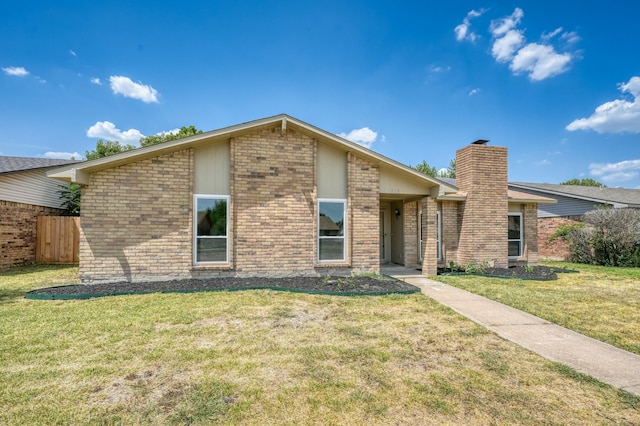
[{"x": 58, "y": 239}]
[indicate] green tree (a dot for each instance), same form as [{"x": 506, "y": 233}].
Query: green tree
[
  {"x": 70, "y": 197},
  {"x": 584, "y": 182},
  {"x": 449, "y": 172},
  {"x": 106, "y": 148},
  {"x": 183, "y": 132}
]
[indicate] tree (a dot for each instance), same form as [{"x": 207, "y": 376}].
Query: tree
[
  {"x": 584, "y": 182},
  {"x": 183, "y": 132},
  {"x": 106, "y": 148},
  {"x": 449, "y": 172},
  {"x": 70, "y": 197}
]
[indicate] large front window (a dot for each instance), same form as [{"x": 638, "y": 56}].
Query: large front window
[
  {"x": 515, "y": 234},
  {"x": 331, "y": 230},
  {"x": 211, "y": 228}
]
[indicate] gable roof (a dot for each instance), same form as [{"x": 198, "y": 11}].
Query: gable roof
[
  {"x": 618, "y": 197},
  {"x": 79, "y": 172},
  {"x": 17, "y": 164},
  {"x": 513, "y": 196}
]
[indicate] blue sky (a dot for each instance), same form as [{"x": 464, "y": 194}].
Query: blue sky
[{"x": 558, "y": 83}]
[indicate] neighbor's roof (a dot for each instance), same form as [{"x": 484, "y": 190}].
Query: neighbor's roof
[
  {"x": 514, "y": 196},
  {"x": 79, "y": 172},
  {"x": 621, "y": 197},
  {"x": 16, "y": 164}
]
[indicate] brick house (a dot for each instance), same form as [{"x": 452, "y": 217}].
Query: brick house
[
  {"x": 278, "y": 196},
  {"x": 573, "y": 201},
  {"x": 25, "y": 193}
]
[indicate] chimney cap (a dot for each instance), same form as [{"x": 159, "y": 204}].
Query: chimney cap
[{"x": 480, "y": 142}]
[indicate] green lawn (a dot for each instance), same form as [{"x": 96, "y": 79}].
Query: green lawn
[
  {"x": 601, "y": 302},
  {"x": 264, "y": 357}
]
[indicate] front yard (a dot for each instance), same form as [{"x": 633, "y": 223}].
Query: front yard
[
  {"x": 267, "y": 357},
  {"x": 597, "y": 301}
]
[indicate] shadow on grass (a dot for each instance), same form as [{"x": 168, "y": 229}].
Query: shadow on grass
[{"x": 11, "y": 295}]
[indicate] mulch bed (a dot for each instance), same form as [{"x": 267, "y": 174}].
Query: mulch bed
[
  {"x": 542, "y": 273},
  {"x": 322, "y": 285}
]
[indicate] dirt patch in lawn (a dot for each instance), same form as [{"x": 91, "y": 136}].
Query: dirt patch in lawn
[
  {"x": 541, "y": 273},
  {"x": 358, "y": 285}
]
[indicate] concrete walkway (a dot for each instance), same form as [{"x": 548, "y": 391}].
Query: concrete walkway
[{"x": 600, "y": 360}]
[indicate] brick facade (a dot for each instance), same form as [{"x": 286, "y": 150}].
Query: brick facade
[
  {"x": 429, "y": 264},
  {"x": 274, "y": 203},
  {"x": 136, "y": 220},
  {"x": 530, "y": 230},
  {"x": 482, "y": 174},
  {"x": 557, "y": 249},
  {"x": 411, "y": 236},
  {"x": 18, "y": 225},
  {"x": 364, "y": 201}
]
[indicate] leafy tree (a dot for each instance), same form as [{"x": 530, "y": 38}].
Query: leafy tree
[
  {"x": 428, "y": 170},
  {"x": 70, "y": 197},
  {"x": 584, "y": 182},
  {"x": 183, "y": 132},
  {"x": 106, "y": 148}
]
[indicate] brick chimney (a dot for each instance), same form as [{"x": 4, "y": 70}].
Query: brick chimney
[{"x": 481, "y": 172}]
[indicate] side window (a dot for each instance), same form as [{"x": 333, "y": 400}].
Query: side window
[
  {"x": 211, "y": 228},
  {"x": 331, "y": 229},
  {"x": 515, "y": 234}
]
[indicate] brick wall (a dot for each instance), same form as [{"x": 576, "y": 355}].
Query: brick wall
[
  {"x": 429, "y": 235},
  {"x": 136, "y": 220},
  {"x": 557, "y": 249},
  {"x": 364, "y": 200},
  {"x": 451, "y": 220},
  {"x": 18, "y": 224},
  {"x": 482, "y": 173},
  {"x": 274, "y": 197},
  {"x": 411, "y": 237},
  {"x": 530, "y": 229}
]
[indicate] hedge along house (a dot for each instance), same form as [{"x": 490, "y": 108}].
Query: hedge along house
[{"x": 278, "y": 196}]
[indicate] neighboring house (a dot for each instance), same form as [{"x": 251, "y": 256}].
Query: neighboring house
[
  {"x": 278, "y": 196},
  {"x": 573, "y": 201},
  {"x": 25, "y": 193}
]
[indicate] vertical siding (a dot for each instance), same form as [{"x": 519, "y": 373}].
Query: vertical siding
[
  {"x": 212, "y": 169},
  {"x": 332, "y": 172}
]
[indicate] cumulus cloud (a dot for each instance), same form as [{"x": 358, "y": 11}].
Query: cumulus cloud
[
  {"x": 539, "y": 60},
  {"x": 96, "y": 80},
  {"x": 462, "y": 30},
  {"x": 364, "y": 136},
  {"x": 616, "y": 172},
  {"x": 130, "y": 89},
  {"x": 62, "y": 155},
  {"x": 109, "y": 131},
  {"x": 616, "y": 116},
  {"x": 16, "y": 71}
]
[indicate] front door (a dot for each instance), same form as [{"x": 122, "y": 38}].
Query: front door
[{"x": 385, "y": 227}]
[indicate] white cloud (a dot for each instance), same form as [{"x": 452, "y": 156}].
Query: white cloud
[
  {"x": 62, "y": 155},
  {"x": 544, "y": 162},
  {"x": 364, "y": 136},
  {"x": 16, "y": 71},
  {"x": 462, "y": 30},
  {"x": 474, "y": 91},
  {"x": 616, "y": 172},
  {"x": 499, "y": 27},
  {"x": 72, "y": 53},
  {"x": 615, "y": 116},
  {"x": 539, "y": 60},
  {"x": 107, "y": 130},
  {"x": 96, "y": 80},
  {"x": 126, "y": 87},
  {"x": 505, "y": 47}
]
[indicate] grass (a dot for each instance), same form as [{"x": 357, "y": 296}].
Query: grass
[
  {"x": 264, "y": 357},
  {"x": 597, "y": 301}
]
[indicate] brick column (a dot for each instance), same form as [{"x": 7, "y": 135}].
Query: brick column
[
  {"x": 530, "y": 229},
  {"x": 429, "y": 236},
  {"x": 410, "y": 235}
]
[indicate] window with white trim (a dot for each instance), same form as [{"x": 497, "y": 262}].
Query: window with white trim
[
  {"x": 211, "y": 228},
  {"x": 331, "y": 229},
  {"x": 515, "y": 235}
]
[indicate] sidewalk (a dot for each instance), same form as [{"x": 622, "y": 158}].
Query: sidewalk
[{"x": 600, "y": 360}]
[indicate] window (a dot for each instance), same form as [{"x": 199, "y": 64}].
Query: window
[
  {"x": 331, "y": 229},
  {"x": 515, "y": 234},
  {"x": 210, "y": 228}
]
